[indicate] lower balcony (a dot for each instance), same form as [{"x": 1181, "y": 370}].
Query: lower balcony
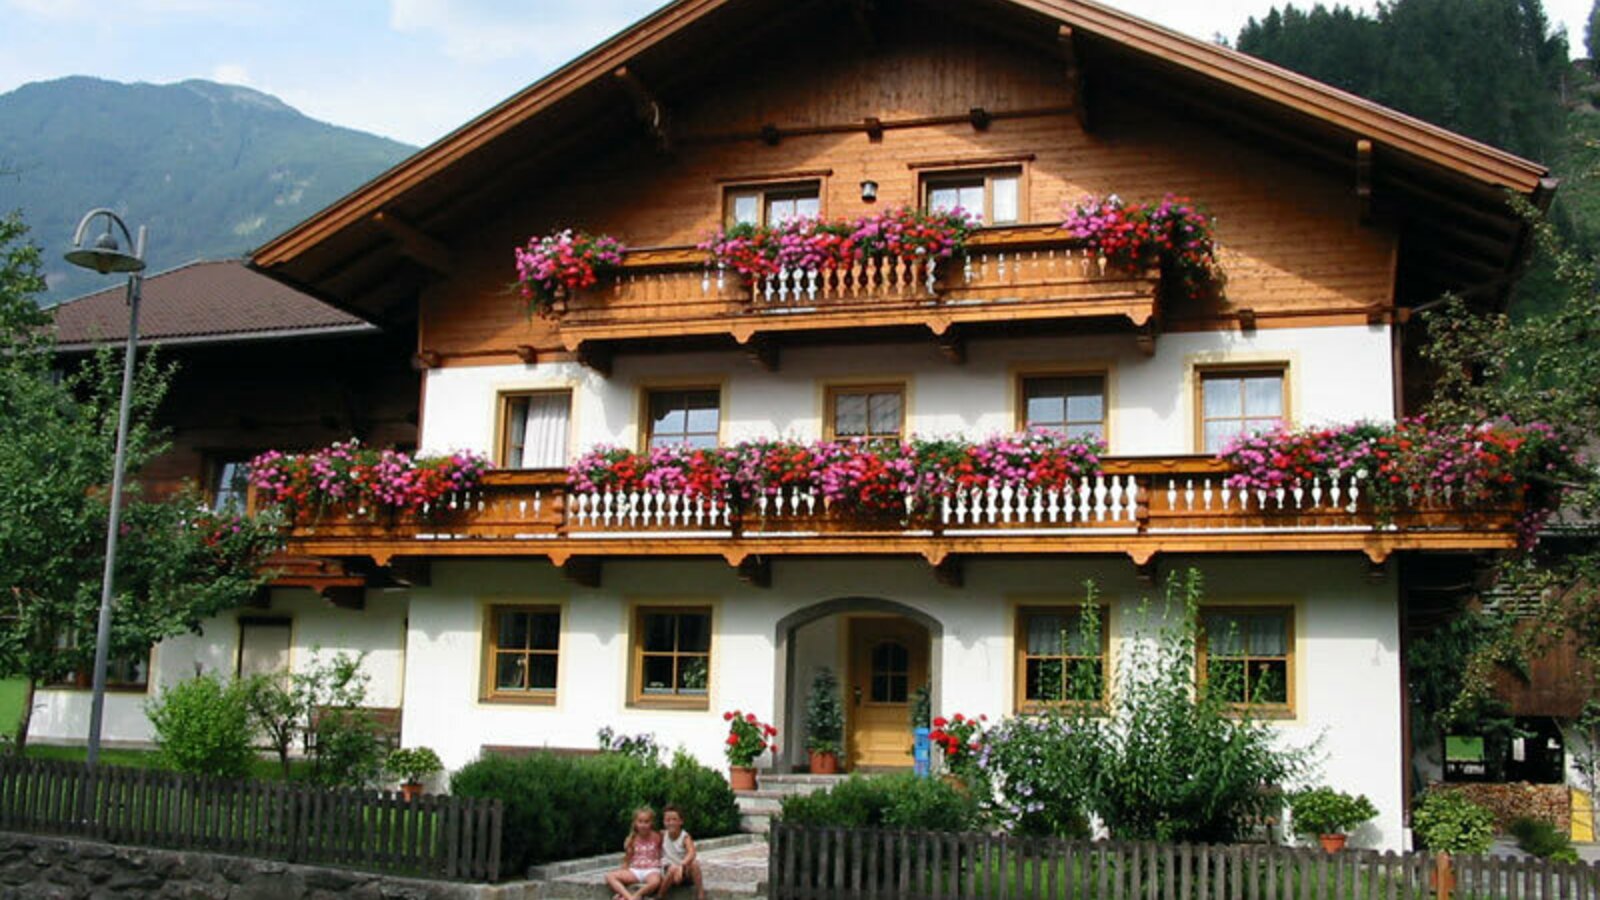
[{"x": 1138, "y": 507}]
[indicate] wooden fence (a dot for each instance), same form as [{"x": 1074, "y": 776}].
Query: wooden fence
[
  {"x": 811, "y": 863},
  {"x": 429, "y": 837}
]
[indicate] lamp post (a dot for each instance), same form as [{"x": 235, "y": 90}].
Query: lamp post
[{"x": 107, "y": 257}]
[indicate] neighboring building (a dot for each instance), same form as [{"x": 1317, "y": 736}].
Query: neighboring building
[
  {"x": 531, "y": 622},
  {"x": 260, "y": 366}
]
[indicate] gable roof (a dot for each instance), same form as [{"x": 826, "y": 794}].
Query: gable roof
[
  {"x": 310, "y": 254},
  {"x": 200, "y": 302}
]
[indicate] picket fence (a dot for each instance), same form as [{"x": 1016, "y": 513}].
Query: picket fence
[
  {"x": 814, "y": 863},
  {"x": 455, "y": 838}
]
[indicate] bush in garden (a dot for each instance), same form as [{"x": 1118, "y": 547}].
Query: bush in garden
[
  {"x": 1320, "y": 811},
  {"x": 322, "y": 709},
  {"x": 346, "y": 748},
  {"x": 1543, "y": 839},
  {"x": 1448, "y": 822},
  {"x": 202, "y": 726},
  {"x": 887, "y": 801},
  {"x": 561, "y": 807},
  {"x": 1039, "y": 775}
]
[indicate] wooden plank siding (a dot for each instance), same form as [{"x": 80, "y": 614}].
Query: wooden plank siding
[{"x": 1291, "y": 243}]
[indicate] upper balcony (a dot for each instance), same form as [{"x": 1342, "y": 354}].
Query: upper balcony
[
  {"x": 1138, "y": 507},
  {"x": 1025, "y": 273}
]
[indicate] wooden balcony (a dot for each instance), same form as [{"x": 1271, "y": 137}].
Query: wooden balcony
[
  {"x": 1022, "y": 273},
  {"x": 1138, "y": 507}
]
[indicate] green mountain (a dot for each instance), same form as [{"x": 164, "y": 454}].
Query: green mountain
[{"x": 213, "y": 170}]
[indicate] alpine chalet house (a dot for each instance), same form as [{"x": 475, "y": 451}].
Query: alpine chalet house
[{"x": 794, "y": 300}]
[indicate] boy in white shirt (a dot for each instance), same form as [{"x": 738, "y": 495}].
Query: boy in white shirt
[{"x": 680, "y": 864}]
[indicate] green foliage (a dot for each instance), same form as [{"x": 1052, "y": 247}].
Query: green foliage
[
  {"x": 202, "y": 726},
  {"x": 413, "y": 764},
  {"x": 640, "y": 746},
  {"x": 1543, "y": 839},
  {"x": 1591, "y": 31},
  {"x": 560, "y": 807},
  {"x": 922, "y": 706},
  {"x": 824, "y": 714},
  {"x": 1040, "y": 774},
  {"x": 1448, "y": 822},
  {"x": 177, "y": 564},
  {"x": 346, "y": 749},
  {"x": 212, "y": 169},
  {"x": 1172, "y": 763},
  {"x": 886, "y": 801},
  {"x": 321, "y": 708},
  {"x": 1324, "y": 810}
]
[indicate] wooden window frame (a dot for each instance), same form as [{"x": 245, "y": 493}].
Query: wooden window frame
[
  {"x": 832, "y": 392},
  {"x": 636, "y": 653},
  {"x": 83, "y": 679},
  {"x": 928, "y": 179},
  {"x": 1237, "y": 370},
  {"x": 212, "y": 461},
  {"x": 1285, "y": 710},
  {"x": 648, "y": 391},
  {"x": 260, "y": 622},
  {"x": 1022, "y": 379},
  {"x": 490, "y": 692},
  {"x": 766, "y": 191},
  {"x": 502, "y": 441},
  {"x": 1020, "y": 702}
]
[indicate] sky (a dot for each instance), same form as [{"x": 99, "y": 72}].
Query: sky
[{"x": 412, "y": 70}]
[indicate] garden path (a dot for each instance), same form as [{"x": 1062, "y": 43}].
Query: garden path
[{"x": 730, "y": 872}]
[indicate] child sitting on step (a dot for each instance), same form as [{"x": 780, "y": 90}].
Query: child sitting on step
[
  {"x": 680, "y": 864},
  {"x": 641, "y": 859}
]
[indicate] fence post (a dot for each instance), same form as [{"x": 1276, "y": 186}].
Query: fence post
[{"x": 1444, "y": 877}]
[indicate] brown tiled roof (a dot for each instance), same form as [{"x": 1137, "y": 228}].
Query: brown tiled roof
[{"x": 212, "y": 302}]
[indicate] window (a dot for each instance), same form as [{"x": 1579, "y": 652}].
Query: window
[
  {"x": 891, "y": 673},
  {"x": 1248, "y": 655},
  {"x": 534, "y": 433},
  {"x": 1239, "y": 401},
  {"x": 773, "y": 204},
  {"x": 123, "y": 673},
  {"x": 1068, "y": 405},
  {"x": 672, "y": 657},
  {"x": 689, "y": 417},
  {"x": 263, "y": 646},
  {"x": 524, "y": 653},
  {"x": 994, "y": 196},
  {"x": 872, "y": 412},
  {"x": 228, "y": 481},
  {"x": 1061, "y": 657}
]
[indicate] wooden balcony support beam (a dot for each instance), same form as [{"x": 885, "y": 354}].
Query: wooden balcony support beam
[
  {"x": 346, "y": 596},
  {"x": 755, "y": 571},
  {"x": 583, "y": 571},
  {"x": 1077, "y": 86},
  {"x": 950, "y": 571},
  {"x": 1147, "y": 573},
  {"x": 411, "y": 571},
  {"x": 416, "y": 244},
  {"x": 1144, "y": 337},
  {"x": 647, "y": 107},
  {"x": 764, "y": 351},
  {"x": 1364, "y": 181},
  {"x": 595, "y": 357},
  {"x": 952, "y": 345}
]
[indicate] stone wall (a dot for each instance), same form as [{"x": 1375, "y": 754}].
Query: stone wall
[
  {"x": 1551, "y": 802},
  {"x": 43, "y": 867}
]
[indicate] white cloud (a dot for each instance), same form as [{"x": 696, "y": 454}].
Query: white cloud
[
  {"x": 128, "y": 10},
  {"x": 231, "y": 73},
  {"x": 482, "y": 31}
]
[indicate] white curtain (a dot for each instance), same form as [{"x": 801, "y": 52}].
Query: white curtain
[{"x": 544, "y": 434}]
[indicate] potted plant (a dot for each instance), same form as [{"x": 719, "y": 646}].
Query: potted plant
[
  {"x": 1329, "y": 815},
  {"x": 748, "y": 738},
  {"x": 411, "y": 765},
  {"x": 921, "y": 720},
  {"x": 824, "y": 723}
]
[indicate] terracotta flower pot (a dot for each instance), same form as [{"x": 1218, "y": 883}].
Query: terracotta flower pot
[
  {"x": 742, "y": 778},
  {"x": 1332, "y": 843},
  {"x": 825, "y": 763},
  {"x": 411, "y": 790}
]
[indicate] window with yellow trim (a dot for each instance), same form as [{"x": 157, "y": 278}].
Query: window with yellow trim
[
  {"x": 993, "y": 196},
  {"x": 1068, "y": 405},
  {"x": 124, "y": 672},
  {"x": 524, "y": 653},
  {"x": 672, "y": 656},
  {"x": 874, "y": 412},
  {"x": 690, "y": 418},
  {"x": 1061, "y": 656},
  {"x": 533, "y": 432},
  {"x": 1236, "y": 402},
  {"x": 1247, "y": 655}
]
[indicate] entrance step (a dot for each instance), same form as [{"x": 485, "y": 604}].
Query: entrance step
[{"x": 758, "y": 807}]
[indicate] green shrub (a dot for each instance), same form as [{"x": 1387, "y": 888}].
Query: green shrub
[
  {"x": 202, "y": 726},
  {"x": 1039, "y": 777},
  {"x": 346, "y": 748},
  {"x": 412, "y": 764},
  {"x": 1446, "y": 821},
  {"x": 1327, "y": 811},
  {"x": 887, "y": 801},
  {"x": 1544, "y": 840},
  {"x": 824, "y": 714},
  {"x": 562, "y": 807}
]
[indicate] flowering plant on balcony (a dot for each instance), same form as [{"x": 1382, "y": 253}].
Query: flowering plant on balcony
[
  {"x": 1038, "y": 460},
  {"x": 557, "y": 264},
  {"x": 868, "y": 476},
  {"x": 1174, "y": 233},
  {"x": 347, "y": 474},
  {"x": 748, "y": 738},
  {"x": 811, "y": 244}
]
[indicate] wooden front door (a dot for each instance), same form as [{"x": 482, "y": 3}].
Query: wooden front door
[{"x": 888, "y": 662}]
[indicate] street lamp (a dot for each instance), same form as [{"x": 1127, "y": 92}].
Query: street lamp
[{"x": 107, "y": 258}]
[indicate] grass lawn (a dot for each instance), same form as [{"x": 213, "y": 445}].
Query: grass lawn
[
  {"x": 263, "y": 770},
  {"x": 11, "y": 690}
]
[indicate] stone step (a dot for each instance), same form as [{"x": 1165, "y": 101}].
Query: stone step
[
  {"x": 573, "y": 890},
  {"x": 757, "y": 803},
  {"x": 755, "y": 823}
]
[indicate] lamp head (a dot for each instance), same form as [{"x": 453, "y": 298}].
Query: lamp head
[{"x": 106, "y": 255}]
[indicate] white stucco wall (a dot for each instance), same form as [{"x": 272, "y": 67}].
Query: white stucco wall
[
  {"x": 1335, "y": 375},
  {"x": 318, "y": 630},
  {"x": 1346, "y": 630}
]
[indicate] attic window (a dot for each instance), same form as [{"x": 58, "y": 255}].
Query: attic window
[{"x": 772, "y": 204}]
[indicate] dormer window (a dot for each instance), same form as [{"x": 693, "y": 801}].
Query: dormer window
[
  {"x": 772, "y": 204},
  {"x": 993, "y": 195}
]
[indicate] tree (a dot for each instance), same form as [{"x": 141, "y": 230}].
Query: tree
[
  {"x": 321, "y": 707},
  {"x": 1591, "y": 31},
  {"x": 178, "y": 564}
]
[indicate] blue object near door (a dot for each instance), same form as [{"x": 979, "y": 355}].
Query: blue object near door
[{"x": 920, "y": 751}]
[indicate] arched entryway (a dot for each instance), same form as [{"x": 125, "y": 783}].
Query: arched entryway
[{"x": 881, "y": 650}]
